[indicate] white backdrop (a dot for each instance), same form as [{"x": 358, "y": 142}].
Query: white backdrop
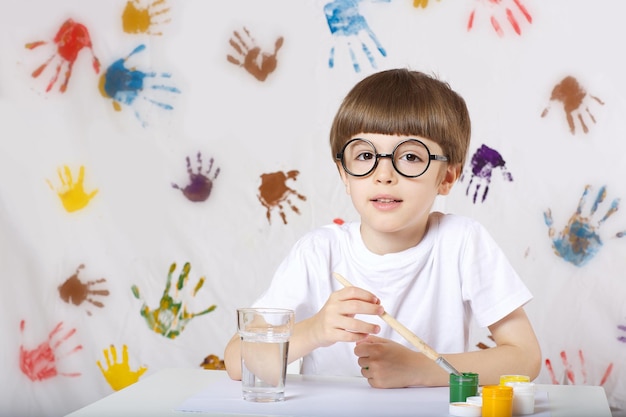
[{"x": 85, "y": 258}]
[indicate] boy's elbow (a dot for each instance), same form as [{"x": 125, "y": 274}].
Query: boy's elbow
[
  {"x": 534, "y": 362},
  {"x": 232, "y": 359}
]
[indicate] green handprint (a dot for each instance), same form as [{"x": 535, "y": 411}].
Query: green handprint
[
  {"x": 171, "y": 317},
  {"x": 119, "y": 375}
]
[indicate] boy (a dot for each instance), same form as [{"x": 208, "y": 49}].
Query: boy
[{"x": 399, "y": 139}]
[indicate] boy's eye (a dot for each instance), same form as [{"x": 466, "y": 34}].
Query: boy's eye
[{"x": 365, "y": 156}]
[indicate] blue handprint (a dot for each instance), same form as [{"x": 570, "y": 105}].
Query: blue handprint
[
  {"x": 484, "y": 161},
  {"x": 347, "y": 25},
  {"x": 579, "y": 241},
  {"x": 125, "y": 85}
]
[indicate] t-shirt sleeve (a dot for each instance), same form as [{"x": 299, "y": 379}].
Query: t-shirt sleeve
[
  {"x": 300, "y": 281},
  {"x": 490, "y": 283}
]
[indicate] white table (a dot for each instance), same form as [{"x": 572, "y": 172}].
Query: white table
[{"x": 163, "y": 393}]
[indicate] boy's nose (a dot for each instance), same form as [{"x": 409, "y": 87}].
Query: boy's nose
[{"x": 385, "y": 172}]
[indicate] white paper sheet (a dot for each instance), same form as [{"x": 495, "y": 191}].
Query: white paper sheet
[{"x": 330, "y": 398}]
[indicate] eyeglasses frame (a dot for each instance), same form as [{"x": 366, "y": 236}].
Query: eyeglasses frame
[{"x": 431, "y": 157}]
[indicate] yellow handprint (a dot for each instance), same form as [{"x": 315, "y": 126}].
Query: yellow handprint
[
  {"x": 72, "y": 194},
  {"x": 420, "y": 3},
  {"x": 119, "y": 375}
]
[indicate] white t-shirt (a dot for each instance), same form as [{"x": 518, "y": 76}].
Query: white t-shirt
[{"x": 455, "y": 273}]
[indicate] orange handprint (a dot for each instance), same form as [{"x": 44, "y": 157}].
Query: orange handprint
[
  {"x": 118, "y": 374},
  {"x": 421, "y": 3},
  {"x": 138, "y": 18},
  {"x": 72, "y": 195},
  {"x": 260, "y": 65}
]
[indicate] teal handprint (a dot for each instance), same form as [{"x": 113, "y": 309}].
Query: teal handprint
[
  {"x": 171, "y": 317},
  {"x": 579, "y": 241}
]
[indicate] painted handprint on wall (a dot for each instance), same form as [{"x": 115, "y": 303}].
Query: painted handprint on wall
[
  {"x": 499, "y": 11},
  {"x": 484, "y": 162},
  {"x": 72, "y": 194},
  {"x": 570, "y": 374},
  {"x": 118, "y": 374},
  {"x": 42, "y": 362},
  {"x": 200, "y": 182},
  {"x": 350, "y": 30},
  {"x": 76, "y": 292},
  {"x": 213, "y": 362},
  {"x": 130, "y": 86},
  {"x": 171, "y": 316},
  {"x": 71, "y": 38},
  {"x": 579, "y": 241},
  {"x": 247, "y": 54},
  {"x": 274, "y": 192},
  {"x": 622, "y": 337},
  {"x": 143, "y": 17},
  {"x": 575, "y": 101},
  {"x": 421, "y": 3}
]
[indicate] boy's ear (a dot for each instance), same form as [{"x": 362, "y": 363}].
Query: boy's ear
[{"x": 451, "y": 175}]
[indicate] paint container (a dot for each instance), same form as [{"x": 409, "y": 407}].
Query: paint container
[
  {"x": 476, "y": 400},
  {"x": 463, "y": 386},
  {"x": 523, "y": 397},
  {"x": 497, "y": 401},
  {"x": 513, "y": 378},
  {"x": 464, "y": 410}
]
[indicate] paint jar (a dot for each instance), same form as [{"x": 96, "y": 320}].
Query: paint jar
[
  {"x": 513, "y": 378},
  {"x": 463, "y": 386},
  {"x": 475, "y": 400},
  {"x": 523, "y": 397},
  {"x": 464, "y": 410},
  {"x": 497, "y": 401}
]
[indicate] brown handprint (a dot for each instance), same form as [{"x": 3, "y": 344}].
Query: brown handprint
[
  {"x": 41, "y": 363},
  {"x": 249, "y": 55},
  {"x": 273, "y": 192},
  {"x": 76, "y": 292},
  {"x": 575, "y": 102}
]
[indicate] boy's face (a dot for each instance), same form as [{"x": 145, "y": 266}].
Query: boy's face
[{"x": 393, "y": 205}]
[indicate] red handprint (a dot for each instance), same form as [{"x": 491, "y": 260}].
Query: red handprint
[
  {"x": 41, "y": 363},
  {"x": 569, "y": 376},
  {"x": 500, "y": 9},
  {"x": 71, "y": 38}
]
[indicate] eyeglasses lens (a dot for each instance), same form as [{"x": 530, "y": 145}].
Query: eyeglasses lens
[{"x": 410, "y": 158}]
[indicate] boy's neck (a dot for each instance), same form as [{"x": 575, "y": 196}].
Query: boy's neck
[{"x": 382, "y": 243}]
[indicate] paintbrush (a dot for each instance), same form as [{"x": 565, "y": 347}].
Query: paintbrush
[{"x": 409, "y": 336}]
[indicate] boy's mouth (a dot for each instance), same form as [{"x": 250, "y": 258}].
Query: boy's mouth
[{"x": 386, "y": 200}]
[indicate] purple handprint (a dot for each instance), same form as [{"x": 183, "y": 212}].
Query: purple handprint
[
  {"x": 483, "y": 162},
  {"x": 348, "y": 26},
  {"x": 579, "y": 241},
  {"x": 200, "y": 185}
]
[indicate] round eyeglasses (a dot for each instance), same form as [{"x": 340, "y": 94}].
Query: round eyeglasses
[{"x": 410, "y": 158}]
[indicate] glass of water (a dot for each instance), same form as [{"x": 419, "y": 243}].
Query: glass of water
[{"x": 264, "y": 336}]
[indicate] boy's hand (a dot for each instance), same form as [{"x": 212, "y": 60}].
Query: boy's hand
[
  {"x": 385, "y": 363},
  {"x": 335, "y": 321}
]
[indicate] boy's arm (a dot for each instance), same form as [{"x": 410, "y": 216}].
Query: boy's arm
[
  {"x": 391, "y": 365},
  {"x": 334, "y": 322}
]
